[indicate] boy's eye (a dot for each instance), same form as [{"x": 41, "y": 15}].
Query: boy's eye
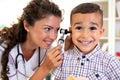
[
  {"x": 78, "y": 27},
  {"x": 93, "y": 28}
]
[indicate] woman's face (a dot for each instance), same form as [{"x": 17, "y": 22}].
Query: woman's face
[{"x": 44, "y": 32}]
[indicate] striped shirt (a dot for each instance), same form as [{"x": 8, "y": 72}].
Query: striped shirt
[{"x": 97, "y": 65}]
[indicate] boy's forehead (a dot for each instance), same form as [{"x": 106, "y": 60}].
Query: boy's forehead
[
  {"x": 86, "y": 17},
  {"x": 81, "y": 14}
]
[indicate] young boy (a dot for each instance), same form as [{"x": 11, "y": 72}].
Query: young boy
[{"x": 86, "y": 59}]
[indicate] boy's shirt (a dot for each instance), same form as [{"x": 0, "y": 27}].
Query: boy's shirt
[{"x": 97, "y": 65}]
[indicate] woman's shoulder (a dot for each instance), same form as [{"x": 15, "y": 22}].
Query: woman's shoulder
[{"x": 2, "y": 47}]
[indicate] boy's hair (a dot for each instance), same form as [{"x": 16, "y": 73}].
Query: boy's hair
[{"x": 87, "y": 8}]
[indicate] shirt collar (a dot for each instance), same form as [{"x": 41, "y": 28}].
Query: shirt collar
[{"x": 90, "y": 55}]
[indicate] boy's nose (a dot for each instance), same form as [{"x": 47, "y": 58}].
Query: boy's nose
[{"x": 85, "y": 33}]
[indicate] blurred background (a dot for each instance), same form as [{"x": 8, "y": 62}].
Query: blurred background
[{"x": 10, "y": 10}]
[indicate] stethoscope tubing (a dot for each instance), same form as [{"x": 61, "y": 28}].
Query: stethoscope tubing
[{"x": 23, "y": 61}]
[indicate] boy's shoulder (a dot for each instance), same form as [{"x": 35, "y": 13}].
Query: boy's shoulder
[{"x": 104, "y": 55}]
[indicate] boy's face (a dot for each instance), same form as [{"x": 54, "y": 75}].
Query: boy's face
[{"x": 86, "y": 31}]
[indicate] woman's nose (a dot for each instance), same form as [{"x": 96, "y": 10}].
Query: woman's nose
[{"x": 53, "y": 35}]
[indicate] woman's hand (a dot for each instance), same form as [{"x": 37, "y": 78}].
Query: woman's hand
[{"x": 53, "y": 58}]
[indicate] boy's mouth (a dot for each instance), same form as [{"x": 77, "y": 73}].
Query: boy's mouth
[{"x": 85, "y": 43}]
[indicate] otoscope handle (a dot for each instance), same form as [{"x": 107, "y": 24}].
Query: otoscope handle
[{"x": 60, "y": 41}]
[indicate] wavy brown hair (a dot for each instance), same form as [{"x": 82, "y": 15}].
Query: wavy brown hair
[{"x": 35, "y": 10}]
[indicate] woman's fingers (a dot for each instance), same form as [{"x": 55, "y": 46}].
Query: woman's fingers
[{"x": 53, "y": 57}]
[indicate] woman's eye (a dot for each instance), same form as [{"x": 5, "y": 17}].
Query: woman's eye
[
  {"x": 58, "y": 29},
  {"x": 47, "y": 29},
  {"x": 78, "y": 28},
  {"x": 93, "y": 28}
]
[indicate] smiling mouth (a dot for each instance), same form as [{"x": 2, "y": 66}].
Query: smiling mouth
[
  {"x": 48, "y": 42},
  {"x": 85, "y": 43}
]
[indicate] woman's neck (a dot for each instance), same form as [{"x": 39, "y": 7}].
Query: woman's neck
[{"x": 27, "y": 51}]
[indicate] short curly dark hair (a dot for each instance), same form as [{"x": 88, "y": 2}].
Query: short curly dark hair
[{"x": 87, "y": 8}]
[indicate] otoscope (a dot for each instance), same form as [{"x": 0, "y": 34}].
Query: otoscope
[{"x": 63, "y": 32}]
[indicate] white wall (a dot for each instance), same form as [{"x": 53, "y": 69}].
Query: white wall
[{"x": 10, "y": 10}]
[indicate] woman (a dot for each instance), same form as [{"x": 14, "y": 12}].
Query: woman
[{"x": 24, "y": 47}]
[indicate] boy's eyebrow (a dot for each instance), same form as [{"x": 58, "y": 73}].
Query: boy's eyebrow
[
  {"x": 93, "y": 23},
  {"x": 77, "y": 23}
]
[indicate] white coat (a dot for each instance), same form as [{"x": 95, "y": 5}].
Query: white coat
[{"x": 25, "y": 69}]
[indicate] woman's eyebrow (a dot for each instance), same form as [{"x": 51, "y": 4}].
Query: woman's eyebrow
[{"x": 48, "y": 26}]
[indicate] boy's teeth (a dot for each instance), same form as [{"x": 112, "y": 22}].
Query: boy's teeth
[{"x": 85, "y": 42}]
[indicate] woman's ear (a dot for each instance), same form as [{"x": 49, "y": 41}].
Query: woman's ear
[{"x": 26, "y": 25}]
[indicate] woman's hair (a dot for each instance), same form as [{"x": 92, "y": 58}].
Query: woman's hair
[
  {"x": 35, "y": 10},
  {"x": 87, "y": 8}
]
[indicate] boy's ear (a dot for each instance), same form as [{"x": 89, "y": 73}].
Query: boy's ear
[
  {"x": 70, "y": 28},
  {"x": 26, "y": 26},
  {"x": 102, "y": 31}
]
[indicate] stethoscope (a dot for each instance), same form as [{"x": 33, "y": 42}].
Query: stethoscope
[{"x": 19, "y": 55}]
